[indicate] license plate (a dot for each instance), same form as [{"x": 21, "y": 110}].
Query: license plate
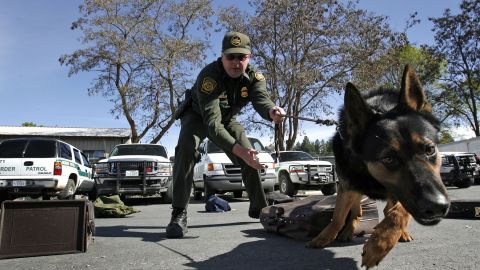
[
  {"x": 131, "y": 173},
  {"x": 19, "y": 183}
]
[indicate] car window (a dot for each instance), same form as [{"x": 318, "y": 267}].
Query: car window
[
  {"x": 85, "y": 160},
  {"x": 129, "y": 150},
  {"x": 65, "y": 151},
  {"x": 256, "y": 144},
  {"x": 12, "y": 149},
  {"x": 213, "y": 148},
  {"x": 76, "y": 153},
  {"x": 41, "y": 149},
  {"x": 295, "y": 156}
]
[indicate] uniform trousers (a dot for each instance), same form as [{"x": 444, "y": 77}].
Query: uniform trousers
[{"x": 192, "y": 133}]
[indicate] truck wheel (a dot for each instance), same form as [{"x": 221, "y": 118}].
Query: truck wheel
[
  {"x": 238, "y": 194},
  {"x": 285, "y": 185},
  {"x": 168, "y": 196},
  {"x": 329, "y": 189},
  {"x": 68, "y": 193},
  {"x": 464, "y": 183}
]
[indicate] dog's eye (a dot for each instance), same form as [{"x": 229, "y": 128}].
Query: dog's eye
[
  {"x": 388, "y": 161},
  {"x": 430, "y": 150}
]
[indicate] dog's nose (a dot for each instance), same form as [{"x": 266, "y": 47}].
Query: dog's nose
[{"x": 434, "y": 206}]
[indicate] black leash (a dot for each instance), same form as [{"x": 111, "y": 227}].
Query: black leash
[
  {"x": 277, "y": 151},
  {"x": 326, "y": 122}
]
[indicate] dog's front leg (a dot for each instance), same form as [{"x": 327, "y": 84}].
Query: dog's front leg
[
  {"x": 344, "y": 202},
  {"x": 348, "y": 230},
  {"x": 386, "y": 235},
  {"x": 405, "y": 237}
]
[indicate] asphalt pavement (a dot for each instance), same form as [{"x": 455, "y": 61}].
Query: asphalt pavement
[{"x": 232, "y": 240}]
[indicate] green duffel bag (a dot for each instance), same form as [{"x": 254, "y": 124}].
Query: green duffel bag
[{"x": 112, "y": 207}]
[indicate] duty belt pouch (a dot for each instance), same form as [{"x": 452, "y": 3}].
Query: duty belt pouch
[
  {"x": 306, "y": 218},
  {"x": 37, "y": 228},
  {"x": 464, "y": 209},
  {"x": 184, "y": 105}
]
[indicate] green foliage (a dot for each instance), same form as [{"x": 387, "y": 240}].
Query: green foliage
[
  {"x": 317, "y": 148},
  {"x": 142, "y": 53},
  {"x": 457, "y": 39},
  {"x": 29, "y": 124},
  {"x": 445, "y": 137}
]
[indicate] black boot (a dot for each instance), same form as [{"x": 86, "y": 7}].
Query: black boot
[
  {"x": 253, "y": 212},
  {"x": 177, "y": 227}
]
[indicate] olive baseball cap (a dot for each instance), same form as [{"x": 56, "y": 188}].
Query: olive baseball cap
[{"x": 236, "y": 42}]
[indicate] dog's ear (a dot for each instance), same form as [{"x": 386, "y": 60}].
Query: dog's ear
[
  {"x": 356, "y": 110},
  {"x": 411, "y": 93}
]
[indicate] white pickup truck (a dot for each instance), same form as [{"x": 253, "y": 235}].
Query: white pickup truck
[
  {"x": 135, "y": 169},
  {"x": 299, "y": 170},
  {"x": 43, "y": 167},
  {"x": 215, "y": 173}
]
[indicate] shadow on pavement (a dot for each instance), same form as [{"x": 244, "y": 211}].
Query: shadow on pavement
[{"x": 276, "y": 252}]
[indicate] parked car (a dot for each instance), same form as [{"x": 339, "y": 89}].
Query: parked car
[
  {"x": 43, "y": 167},
  {"x": 299, "y": 170},
  {"x": 215, "y": 172},
  {"x": 135, "y": 169},
  {"x": 459, "y": 169}
]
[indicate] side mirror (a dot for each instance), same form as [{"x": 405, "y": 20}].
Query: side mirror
[{"x": 172, "y": 159}]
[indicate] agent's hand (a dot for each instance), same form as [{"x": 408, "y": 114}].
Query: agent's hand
[
  {"x": 277, "y": 113},
  {"x": 247, "y": 155}
]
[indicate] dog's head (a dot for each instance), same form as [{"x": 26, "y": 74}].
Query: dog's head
[{"x": 396, "y": 135}]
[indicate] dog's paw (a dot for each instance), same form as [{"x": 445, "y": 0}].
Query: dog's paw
[
  {"x": 319, "y": 242},
  {"x": 405, "y": 237},
  {"x": 378, "y": 246},
  {"x": 346, "y": 234}
]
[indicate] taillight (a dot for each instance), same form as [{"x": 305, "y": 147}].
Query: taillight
[{"x": 57, "y": 168}]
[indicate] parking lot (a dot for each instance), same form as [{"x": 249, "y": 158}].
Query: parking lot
[{"x": 232, "y": 240}]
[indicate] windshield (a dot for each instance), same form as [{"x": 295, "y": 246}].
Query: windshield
[
  {"x": 129, "y": 150},
  {"x": 256, "y": 144},
  {"x": 295, "y": 156}
]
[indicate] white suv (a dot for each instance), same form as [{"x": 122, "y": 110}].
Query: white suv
[
  {"x": 215, "y": 173},
  {"x": 43, "y": 167},
  {"x": 299, "y": 170}
]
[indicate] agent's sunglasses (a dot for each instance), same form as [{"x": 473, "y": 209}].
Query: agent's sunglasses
[{"x": 240, "y": 57}]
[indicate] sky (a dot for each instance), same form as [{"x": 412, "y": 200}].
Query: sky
[{"x": 34, "y": 87}]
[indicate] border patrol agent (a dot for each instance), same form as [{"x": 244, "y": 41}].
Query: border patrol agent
[{"x": 221, "y": 90}]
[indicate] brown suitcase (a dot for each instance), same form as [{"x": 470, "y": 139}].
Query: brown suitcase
[
  {"x": 464, "y": 209},
  {"x": 304, "y": 219},
  {"x": 36, "y": 228}
]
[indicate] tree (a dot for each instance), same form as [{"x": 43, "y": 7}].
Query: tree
[
  {"x": 457, "y": 38},
  {"x": 29, "y": 124},
  {"x": 143, "y": 53},
  {"x": 308, "y": 50}
]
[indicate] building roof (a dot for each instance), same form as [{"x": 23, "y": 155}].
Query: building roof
[{"x": 65, "y": 131}]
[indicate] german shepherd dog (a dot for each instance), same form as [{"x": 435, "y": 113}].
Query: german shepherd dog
[{"x": 385, "y": 148}]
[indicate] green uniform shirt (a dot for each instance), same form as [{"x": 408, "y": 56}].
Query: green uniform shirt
[{"x": 218, "y": 98}]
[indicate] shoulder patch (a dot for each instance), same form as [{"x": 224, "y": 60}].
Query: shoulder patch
[
  {"x": 259, "y": 76},
  {"x": 208, "y": 85}
]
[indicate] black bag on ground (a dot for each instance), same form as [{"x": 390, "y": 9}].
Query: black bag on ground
[
  {"x": 464, "y": 209},
  {"x": 304, "y": 219},
  {"x": 275, "y": 197}
]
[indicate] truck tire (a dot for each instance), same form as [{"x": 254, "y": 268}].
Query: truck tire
[
  {"x": 68, "y": 193},
  {"x": 464, "y": 183},
  {"x": 285, "y": 185},
  {"x": 329, "y": 189},
  {"x": 167, "y": 197}
]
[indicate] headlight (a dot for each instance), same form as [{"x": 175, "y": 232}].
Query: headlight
[
  {"x": 296, "y": 169},
  {"x": 101, "y": 168},
  {"x": 164, "y": 168},
  {"x": 214, "y": 167}
]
